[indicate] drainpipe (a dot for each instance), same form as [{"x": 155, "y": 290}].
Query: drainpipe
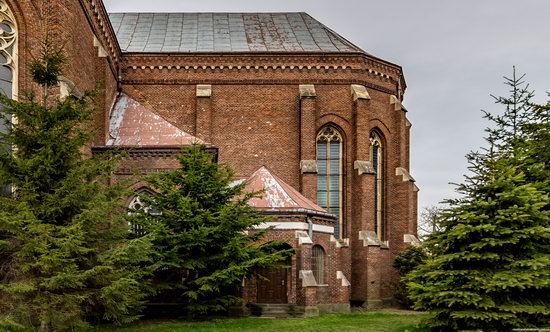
[{"x": 310, "y": 228}]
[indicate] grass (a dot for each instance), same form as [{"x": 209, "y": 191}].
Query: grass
[{"x": 356, "y": 321}]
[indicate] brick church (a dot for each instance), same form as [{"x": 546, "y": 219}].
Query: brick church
[{"x": 293, "y": 107}]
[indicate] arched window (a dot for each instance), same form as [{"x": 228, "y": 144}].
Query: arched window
[
  {"x": 8, "y": 51},
  {"x": 318, "y": 264},
  {"x": 8, "y": 66},
  {"x": 135, "y": 205},
  {"x": 330, "y": 175},
  {"x": 377, "y": 156}
]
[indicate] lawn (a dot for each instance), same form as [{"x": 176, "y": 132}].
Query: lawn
[{"x": 356, "y": 321}]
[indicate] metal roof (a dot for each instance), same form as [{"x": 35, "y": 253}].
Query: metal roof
[
  {"x": 132, "y": 124},
  {"x": 225, "y": 32},
  {"x": 277, "y": 195}
]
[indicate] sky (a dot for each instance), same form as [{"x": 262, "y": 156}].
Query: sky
[{"x": 454, "y": 55}]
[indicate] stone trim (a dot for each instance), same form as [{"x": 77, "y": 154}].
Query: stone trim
[
  {"x": 340, "y": 276},
  {"x": 408, "y": 124},
  {"x": 101, "y": 53},
  {"x": 400, "y": 171},
  {"x": 204, "y": 90},
  {"x": 363, "y": 167},
  {"x": 395, "y": 102},
  {"x": 67, "y": 88},
  {"x": 308, "y": 166},
  {"x": 340, "y": 243},
  {"x": 303, "y": 238},
  {"x": 359, "y": 92},
  {"x": 411, "y": 238},
  {"x": 370, "y": 238},
  {"x": 307, "y": 91},
  {"x": 415, "y": 188},
  {"x": 299, "y": 226},
  {"x": 308, "y": 279}
]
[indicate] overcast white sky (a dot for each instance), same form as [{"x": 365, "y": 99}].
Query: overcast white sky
[{"x": 454, "y": 54}]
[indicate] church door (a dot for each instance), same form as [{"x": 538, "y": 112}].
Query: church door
[{"x": 273, "y": 288}]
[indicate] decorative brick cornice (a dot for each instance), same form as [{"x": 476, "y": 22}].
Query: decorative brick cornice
[
  {"x": 102, "y": 29},
  {"x": 260, "y": 81}
]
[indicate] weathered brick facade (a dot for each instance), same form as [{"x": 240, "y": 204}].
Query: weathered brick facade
[{"x": 258, "y": 108}]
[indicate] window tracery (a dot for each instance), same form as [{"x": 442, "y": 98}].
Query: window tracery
[
  {"x": 378, "y": 164},
  {"x": 330, "y": 173}
]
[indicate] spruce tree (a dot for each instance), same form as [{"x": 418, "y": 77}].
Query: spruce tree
[
  {"x": 201, "y": 223},
  {"x": 490, "y": 264},
  {"x": 65, "y": 256}
]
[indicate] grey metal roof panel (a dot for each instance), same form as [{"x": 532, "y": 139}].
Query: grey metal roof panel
[{"x": 225, "y": 32}]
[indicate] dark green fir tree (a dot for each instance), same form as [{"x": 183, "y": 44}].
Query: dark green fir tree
[
  {"x": 490, "y": 264},
  {"x": 65, "y": 256},
  {"x": 201, "y": 223}
]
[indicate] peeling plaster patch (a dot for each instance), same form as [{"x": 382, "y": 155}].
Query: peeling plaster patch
[{"x": 132, "y": 124}]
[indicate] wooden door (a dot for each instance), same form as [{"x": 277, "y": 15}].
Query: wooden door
[{"x": 272, "y": 290}]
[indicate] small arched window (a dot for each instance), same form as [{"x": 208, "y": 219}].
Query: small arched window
[
  {"x": 318, "y": 264},
  {"x": 377, "y": 156},
  {"x": 137, "y": 205},
  {"x": 330, "y": 173}
]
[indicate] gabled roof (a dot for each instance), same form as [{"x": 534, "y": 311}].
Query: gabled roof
[
  {"x": 132, "y": 124},
  {"x": 225, "y": 32},
  {"x": 278, "y": 195}
]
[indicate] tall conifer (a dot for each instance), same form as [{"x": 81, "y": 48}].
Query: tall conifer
[
  {"x": 490, "y": 267},
  {"x": 65, "y": 259}
]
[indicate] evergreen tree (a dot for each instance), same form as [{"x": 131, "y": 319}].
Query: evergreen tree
[
  {"x": 65, "y": 257},
  {"x": 201, "y": 223},
  {"x": 490, "y": 267}
]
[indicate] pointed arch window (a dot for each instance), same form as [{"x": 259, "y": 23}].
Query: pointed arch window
[
  {"x": 137, "y": 204},
  {"x": 8, "y": 67},
  {"x": 330, "y": 173},
  {"x": 377, "y": 156},
  {"x": 318, "y": 264}
]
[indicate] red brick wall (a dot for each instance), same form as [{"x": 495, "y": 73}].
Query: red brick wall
[{"x": 254, "y": 113}]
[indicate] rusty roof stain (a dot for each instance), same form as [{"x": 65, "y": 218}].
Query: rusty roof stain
[
  {"x": 132, "y": 124},
  {"x": 277, "y": 195},
  {"x": 226, "y": 32}
]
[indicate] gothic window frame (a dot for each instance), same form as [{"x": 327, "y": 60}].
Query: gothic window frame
[
  {"x": 330, "y": 182},
  {"x": 378, "y": 160},
  {"x": 318, "y": 263},
  {"x": 137, "y": 204},
  {"x": 8, "y": 64},
  {"x": 9, "y": 46}
]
